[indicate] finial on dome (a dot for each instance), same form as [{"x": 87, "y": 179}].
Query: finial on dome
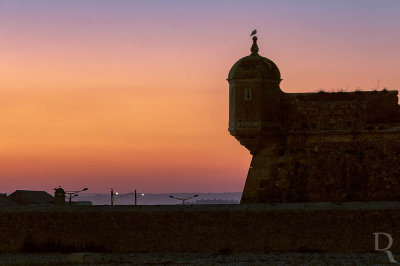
[{"x": 254, "y": 47}]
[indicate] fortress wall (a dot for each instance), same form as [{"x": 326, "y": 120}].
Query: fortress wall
[
  {"x": 341, "y": 111},
  {"x": 326, "y": 115},
  {"x": 331, "y": 147},
  {"x": 326, "y": 167},
  {"x": 217, "y": 229}
]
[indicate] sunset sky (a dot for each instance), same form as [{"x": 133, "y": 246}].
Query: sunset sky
[{"x": 133, "y": 94}]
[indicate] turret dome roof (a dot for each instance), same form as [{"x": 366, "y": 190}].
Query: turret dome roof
[{"x": 255, "y": 66}]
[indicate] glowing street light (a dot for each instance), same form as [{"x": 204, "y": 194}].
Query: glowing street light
[
  {"x": 112, "y": 196},
  {"x": 73, "y": 194},
  {"x": 135, "y": 194},
  {"x": 184, "y": 199}
]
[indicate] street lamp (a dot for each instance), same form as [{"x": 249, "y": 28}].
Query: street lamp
[
  {"x": 73, "y": 194},
  {"x": 141, "y": 194},
  {"x": 184, "y": 199}
]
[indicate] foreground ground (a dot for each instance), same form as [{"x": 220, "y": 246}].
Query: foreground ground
[
  {"x": 286, "y": 258},
  {"x": 266, "y": 234}
]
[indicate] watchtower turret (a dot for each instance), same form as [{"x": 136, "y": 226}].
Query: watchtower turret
[{"x": 254, "y": 98}]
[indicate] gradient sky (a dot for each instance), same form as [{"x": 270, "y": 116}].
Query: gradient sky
[{"x": 132, "y": 94}]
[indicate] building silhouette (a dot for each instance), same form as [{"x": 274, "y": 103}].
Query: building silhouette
[
  {"x": 31, "y": 197},
  {"x": 342, "y": 146}
]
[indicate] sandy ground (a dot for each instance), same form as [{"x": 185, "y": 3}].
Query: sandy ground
[{"x": 196, "y": 259}]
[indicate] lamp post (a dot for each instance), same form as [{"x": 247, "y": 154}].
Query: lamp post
[
  {"x": 184, "y": 199},
  {"x": 141, "y": 194},
  {"x": 73, "y": 194},
  {"x": 112, "y": 196}
]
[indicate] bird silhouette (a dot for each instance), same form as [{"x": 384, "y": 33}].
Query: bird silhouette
[{"x": 253, "y": 33}]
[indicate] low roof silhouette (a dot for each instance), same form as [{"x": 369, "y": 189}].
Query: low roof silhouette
[
  {"x": 4, "y": 201},
  {"x": 31, "y": 197}
]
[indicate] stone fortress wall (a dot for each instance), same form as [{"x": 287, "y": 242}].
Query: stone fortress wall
[
  {"x": 332, "y": 147},
  {"x": 310, "y": 147},
  {"x": 351, "y": 111}
]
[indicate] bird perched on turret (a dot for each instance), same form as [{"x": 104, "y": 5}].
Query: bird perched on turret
[{"x": 253, "y": 33}]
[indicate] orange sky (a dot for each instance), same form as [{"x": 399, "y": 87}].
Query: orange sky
[{"x": 133, "y": 94}]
